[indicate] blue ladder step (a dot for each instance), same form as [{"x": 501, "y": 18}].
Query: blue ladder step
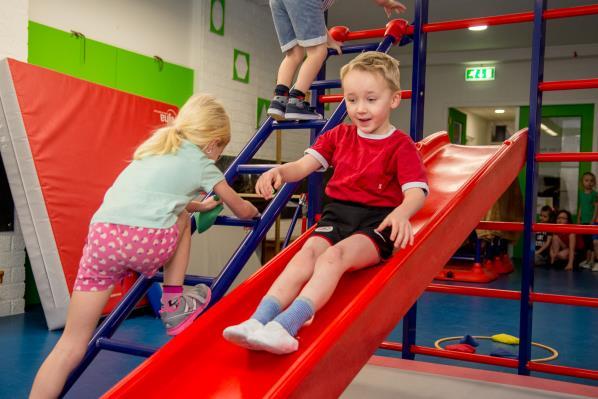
[
  {"x": 189, "y": 279},
  {"x": 125, "y": 347},
  {"x": 288, "y": 125},
  {"x": 232, "y": 221},
  {"x": 255, "y": 169},
  {"x": 355, "y": 48},
  {"x": 326, "y": 84}
]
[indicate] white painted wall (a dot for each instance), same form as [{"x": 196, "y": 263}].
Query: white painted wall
[
  {"x": 13, "y": 43},
  {"x": 249, "y": 28}
]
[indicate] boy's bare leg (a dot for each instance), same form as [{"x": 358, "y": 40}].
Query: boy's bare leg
[
  {"x": 353, "y": 253},
  {"x": 299, "y": 270},
  {"x": 316, "y": 55},
  {"x": 289, "y": 65},
  {"x": 84, "y": 312}
]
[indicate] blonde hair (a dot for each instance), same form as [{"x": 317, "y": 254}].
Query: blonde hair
[
  {"x": 201, "y": 120},
  {"x": 376, "y": 62}
]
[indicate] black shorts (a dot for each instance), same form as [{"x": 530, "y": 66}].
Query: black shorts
[{"x": 342, "y": 219}]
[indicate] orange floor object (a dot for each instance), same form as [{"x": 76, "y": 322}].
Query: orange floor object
[
  {"x": 467, "y": 272},
  {"x": 465, "y": 181}
]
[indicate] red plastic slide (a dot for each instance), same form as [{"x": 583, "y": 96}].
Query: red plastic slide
[{"x": 465, "y": 181}]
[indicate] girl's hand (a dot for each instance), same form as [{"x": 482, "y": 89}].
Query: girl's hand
[
  {"x": 393, "y": 5},
  {"x": 268, "y": 183},
  {"x": 207, "y": 204},
  {"x": 402, "y": 232},
  {"x": 333, "y": 44}
]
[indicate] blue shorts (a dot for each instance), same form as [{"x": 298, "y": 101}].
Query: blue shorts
[
  {"x": 298, "y": 22},
  {"x": 595, "y": 236}
]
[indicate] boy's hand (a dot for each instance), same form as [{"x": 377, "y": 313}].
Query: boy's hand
[
  {"x": 333, "y": 44},
  {"x": 402, "y": 232},
  {"x": 392, "y": 5},
  {"x": 268, "y": 182}
]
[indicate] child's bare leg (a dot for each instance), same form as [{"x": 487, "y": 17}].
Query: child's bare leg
[
  {"x": 175, "y": 269},
  {"x": 316, "y": 55},
  {"x": 354, "y": 253},
  {"x": 289, "y": 65},
  {"x": 298, "y": 271},
  {"x": 84, "y": 312}
]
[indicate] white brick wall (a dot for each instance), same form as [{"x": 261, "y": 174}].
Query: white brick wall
[
  {"x": 13, "y": 43},
  {"x": 248, "y": 27}
]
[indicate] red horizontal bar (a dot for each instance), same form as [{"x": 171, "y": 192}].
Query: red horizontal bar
[
  {"x": 571, "y": 12},
  {"x": 564, "y": 299},
  {"x": 366, "y": 34},
  {"x": 509, "y": 18},
  {"x": 547, "y": 227},
  {"x": 392, "y": 346},
  {"x": 502, "y": 226},
  {"x": 468, "y": 357},
  {"x": 563, "y": 370},
  {"x": 568, "y": 157},
  {"x": 514, "y": 295},
  {"x": 569, "y": 84},
  {"x": 336, "y": 98},
  {"x": 474, "y": 291}
]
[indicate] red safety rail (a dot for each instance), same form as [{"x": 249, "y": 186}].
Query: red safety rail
[
  {"x": 544, "y": 227},
  {"x": 496, "y": 361},
  {"x": 336, "y": 98},
  {"x": 342, "y": 33},
  {"x": 568, "y": 157},
  {"x": 507, "y": 19},
  {"x": 513, "y": 295},
  {"x": 569, "y": 84},
  {"x": 563, "y": 370}
]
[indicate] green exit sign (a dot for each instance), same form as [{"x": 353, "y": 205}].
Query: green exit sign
[{"x": 477, "y": 74}]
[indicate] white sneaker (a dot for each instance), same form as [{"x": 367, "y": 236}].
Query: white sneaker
[
  {"x": 595, "y": 268},
  {"x": 273, "y": 338},
  {"x": 239, "y": 333},
  {"x": 585, "y": 265}
]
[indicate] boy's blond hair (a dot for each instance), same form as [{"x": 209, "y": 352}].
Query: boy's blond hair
[
  {"x": 376, "y": 62},
  {"x": 201, "y": 120}
]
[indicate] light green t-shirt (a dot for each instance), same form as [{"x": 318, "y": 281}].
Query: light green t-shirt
[
  {"x": 587, "y": 202},
  {"x": 152, "y": 192}
]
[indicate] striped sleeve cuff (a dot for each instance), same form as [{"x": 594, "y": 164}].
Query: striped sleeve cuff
[
  {"x": 416, "y": 184},
  {"x": 319, "y": 158}
]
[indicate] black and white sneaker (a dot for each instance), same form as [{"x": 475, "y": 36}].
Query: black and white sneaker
[
  {"x": 277, "y": 107},
  {"x": 300, "y": 111}
]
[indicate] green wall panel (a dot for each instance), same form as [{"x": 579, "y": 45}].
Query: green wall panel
[{"x": 108, "y": 65}]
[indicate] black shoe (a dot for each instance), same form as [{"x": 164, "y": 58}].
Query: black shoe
[
  {"x": 301, "y": 111},
  {"x": 277, "y": 107}
]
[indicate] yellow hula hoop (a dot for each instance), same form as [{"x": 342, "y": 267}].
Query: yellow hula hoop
[{"x": 554, "y": 353}]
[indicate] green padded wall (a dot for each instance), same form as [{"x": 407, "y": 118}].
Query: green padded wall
[{"x": 108, "y": 65}]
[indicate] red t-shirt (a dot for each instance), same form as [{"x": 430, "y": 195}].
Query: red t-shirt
[{"x": 369, "y": 169}]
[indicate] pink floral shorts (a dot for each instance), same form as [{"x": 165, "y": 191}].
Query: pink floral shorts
[{"x": 113, "y": 250}]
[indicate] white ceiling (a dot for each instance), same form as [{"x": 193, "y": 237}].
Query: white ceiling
[{"x": 363, "y": 14}]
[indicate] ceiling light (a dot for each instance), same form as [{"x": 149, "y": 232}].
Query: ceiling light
[
  {"x": 548, "y": 130},
  {"x": 478, "y": 28},
  {"x": 499, "y": 111}
]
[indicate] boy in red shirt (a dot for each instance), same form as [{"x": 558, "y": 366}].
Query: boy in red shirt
[{"x": 379, "y": 183}]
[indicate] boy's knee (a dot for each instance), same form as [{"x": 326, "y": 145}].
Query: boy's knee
[
  {"x": 332, "y": 257},
  {"x": 296, "y": 54},
  {"x": 319, "y": 51}
]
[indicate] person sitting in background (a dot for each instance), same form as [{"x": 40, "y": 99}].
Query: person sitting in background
[
  {"x": 543, "y": 238},
  {"x": 565, "y": 246}
]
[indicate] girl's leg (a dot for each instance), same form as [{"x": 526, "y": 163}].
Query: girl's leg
[
  {"x": 555, "y": 247},
  {"x": 84, "y": 312},
  {"x": 178, "y": 309},
  {"x": 175, "y": 269}
]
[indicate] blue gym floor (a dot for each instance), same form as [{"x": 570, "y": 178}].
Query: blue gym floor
[{"x": 25, "y": 340}]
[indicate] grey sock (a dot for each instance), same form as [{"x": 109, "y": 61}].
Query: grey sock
[
  {"x": 301, "y": 310},
  {"x": 267, "y": 310}
]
